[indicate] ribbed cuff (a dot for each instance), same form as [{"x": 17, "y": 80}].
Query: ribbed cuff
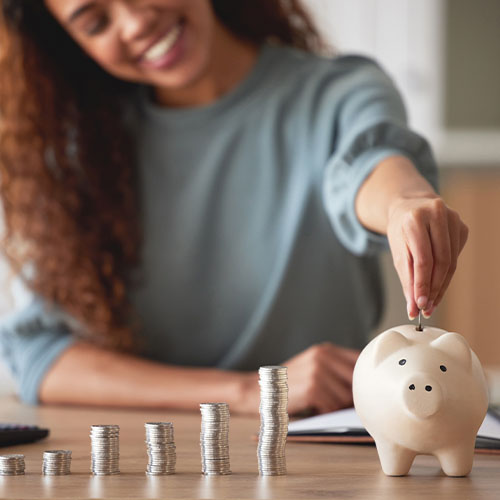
[
  {"x": 345, "y": 174},
  {"x": 39, "y": 357}
]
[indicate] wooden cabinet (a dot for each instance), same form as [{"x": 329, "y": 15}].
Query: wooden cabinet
[{"x": 472, "y": 304}]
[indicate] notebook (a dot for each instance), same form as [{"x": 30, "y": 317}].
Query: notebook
[{"x": 344, "y": 426}]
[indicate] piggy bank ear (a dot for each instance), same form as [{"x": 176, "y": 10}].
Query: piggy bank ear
[
  {"x": 388, "y": 343},
  {"x": 456, "y": 347}
]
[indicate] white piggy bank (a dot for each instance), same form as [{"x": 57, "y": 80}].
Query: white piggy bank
[{"x": 421, "y": 393}]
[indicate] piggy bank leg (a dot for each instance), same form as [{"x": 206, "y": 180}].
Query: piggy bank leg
[
  {"x": 456, "y": 461},
  {"x": 395, "y": 460}
]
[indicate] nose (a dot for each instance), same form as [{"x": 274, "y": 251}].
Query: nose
[
  {"x": 134, "y": 21},
  {"x": 428, "y": 388},
  {"x": 422, "y": 396}
]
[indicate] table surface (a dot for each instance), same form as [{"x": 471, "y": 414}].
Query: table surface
[{"x": 314, "y": 470}]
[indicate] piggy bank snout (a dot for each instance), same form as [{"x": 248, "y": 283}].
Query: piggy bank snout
[{"x": 422, "y": 395}]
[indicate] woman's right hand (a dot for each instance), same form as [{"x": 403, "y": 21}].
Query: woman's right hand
[{"x": 319, "y": 380}]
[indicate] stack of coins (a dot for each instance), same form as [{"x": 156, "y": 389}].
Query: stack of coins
[
  {"x": 105, "y": 449},
  {"x": 273, "y": 420},
  {"x": 56, "y": 463},
  {"x": 161, "y": 448},
  {"x": 214, "y": 439},
  {"x": 11, "y": 465}
]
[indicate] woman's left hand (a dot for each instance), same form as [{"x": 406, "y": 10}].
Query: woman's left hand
[{"x": 426, "y": 238}]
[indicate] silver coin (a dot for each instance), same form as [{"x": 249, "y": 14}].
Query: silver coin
[
  {"x": 214, "y": 438},
  {"x": 105, "y": 449},
  {"x": 56, "y": 462},
  {"x": 12, "y": 457},
  {"x": 161, "y": 448},
  {"x": 273, "y": 411},
  {"x": 12, "y": 464}
]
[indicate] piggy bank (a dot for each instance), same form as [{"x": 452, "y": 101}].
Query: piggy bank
[{"x": 421, "y": 392}]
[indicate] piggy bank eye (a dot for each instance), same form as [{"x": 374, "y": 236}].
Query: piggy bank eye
[
  {"x": 443, "y": 368},
  {"x": 403, "y": 362}
]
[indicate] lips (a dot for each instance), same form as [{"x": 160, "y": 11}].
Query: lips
[{"x": 160, "y": 49}]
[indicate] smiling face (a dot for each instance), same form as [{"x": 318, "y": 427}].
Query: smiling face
[{"x": 164, "y": 43}]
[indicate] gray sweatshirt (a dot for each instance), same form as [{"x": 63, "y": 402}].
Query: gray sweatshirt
[{"x": 252, "y": 249}]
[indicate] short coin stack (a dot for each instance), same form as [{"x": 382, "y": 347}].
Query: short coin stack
[
  {"x": 56, "y": 463},
  {"x": 105, "y": 449},
  {"x": 214, "y": 439},
  {"x": 11, "y": 465},
  {"x": 273, "y": 420},
  {"x": 161, "y": 448}
]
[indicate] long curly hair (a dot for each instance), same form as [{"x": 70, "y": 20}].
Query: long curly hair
[{"x": 67, "y": 174}]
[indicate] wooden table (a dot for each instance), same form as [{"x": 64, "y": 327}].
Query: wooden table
[{"x": 314, "y": 470}]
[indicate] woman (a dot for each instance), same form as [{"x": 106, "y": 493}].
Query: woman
[{"x": 190, "y": 193}]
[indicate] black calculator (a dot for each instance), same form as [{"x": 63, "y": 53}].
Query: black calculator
[{"x": 12, "y": 434}]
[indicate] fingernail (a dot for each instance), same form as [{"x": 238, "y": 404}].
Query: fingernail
[
  {"x": 410, "y": 317},
  {"x": 428, "y": 312},
  {"x": 422, "y": 302}
]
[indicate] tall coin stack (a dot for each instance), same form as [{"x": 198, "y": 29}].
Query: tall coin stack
[
  {"x": 214, "y": 439},
  {"x": 161, "y": 448},
  {"x": 56, "y": 463},
  {"x": 273, "y": 420},
  {"x": 11, "y": 465},
  {"x": 105, "y": 449}
]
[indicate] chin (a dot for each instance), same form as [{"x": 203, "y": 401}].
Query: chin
[
  {"x": 179, "y": 80},
  {"x": 184, "y": 77}
]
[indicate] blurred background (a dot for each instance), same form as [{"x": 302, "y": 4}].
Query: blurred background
[{"x": 445, "y": 58}]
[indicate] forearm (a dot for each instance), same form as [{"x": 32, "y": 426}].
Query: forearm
[
  {"x": 89, "y": 375},
  {"x": 425, "y": 235},
  {"x": 394, "y": 179}
]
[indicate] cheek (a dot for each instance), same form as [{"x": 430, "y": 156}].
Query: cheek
[
  {"x": 108, "y": 53},
  {"x": 202, "y": 21}
]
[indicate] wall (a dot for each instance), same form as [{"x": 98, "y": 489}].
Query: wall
[
  {"x": 472, "y": 76},
  {"x": 472, "y": 302}
]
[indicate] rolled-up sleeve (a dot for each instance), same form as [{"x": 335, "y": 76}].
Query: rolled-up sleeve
[
  {"x": 30, "y": 341},
  {"x": 371, "y": 126}
]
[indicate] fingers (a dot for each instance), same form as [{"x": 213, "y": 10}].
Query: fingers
[
  {"x": 327, "y": 397},
  {"x": 336, "y": 396},
  {"x": 458, "y": 237},
  {"x": 420, "y": 247},
  {"x": 320, "y": 378},
  {"x": 343, "y": 353},
  {"x": 444, "y": 254},
  {"x": 404, "y": 267},
  {"x": 426, "y": 240},
  {"x": 464, "y": 235},
  {"x": 338, "y": 363}
]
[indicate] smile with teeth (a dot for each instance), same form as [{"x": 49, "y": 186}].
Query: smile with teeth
[{"x": 161, "y": 48}]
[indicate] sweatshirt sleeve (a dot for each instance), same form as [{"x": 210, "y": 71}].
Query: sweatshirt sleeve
[
  {"x": 371, "y": 125},
  {"x": 30, "y": 341}
]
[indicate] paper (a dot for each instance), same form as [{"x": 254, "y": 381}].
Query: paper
[
  {"x": 341, "y": 418},
  {"x": 348, "y": 418},
  {"x": 490, "y": 427}
]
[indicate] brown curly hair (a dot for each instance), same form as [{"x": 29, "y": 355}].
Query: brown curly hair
[{"x": 67, "y": 176}]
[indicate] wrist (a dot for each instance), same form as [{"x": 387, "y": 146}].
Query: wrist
[
  {"x": 404, "y": 201},
  {"x": 247, "y": 393},
  {"x": 393, "y": 181}
]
